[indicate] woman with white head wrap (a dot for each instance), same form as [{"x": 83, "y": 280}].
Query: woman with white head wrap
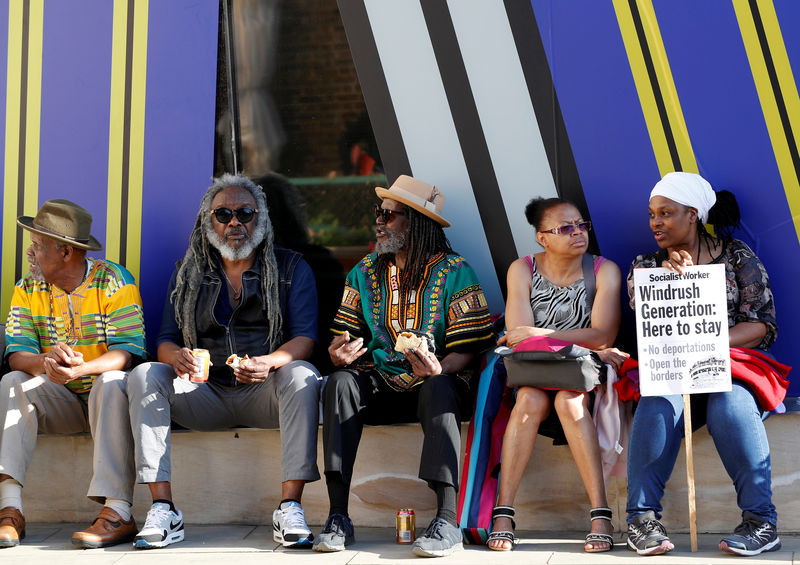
[
  {"x": 680, "y": 206},
  {"x": 688, "y": 189}
]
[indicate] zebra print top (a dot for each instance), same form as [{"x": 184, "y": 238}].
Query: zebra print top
[{"x": 559, "y": 307}]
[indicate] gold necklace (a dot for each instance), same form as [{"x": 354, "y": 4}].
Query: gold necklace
[{"x": 236, "y": 295}]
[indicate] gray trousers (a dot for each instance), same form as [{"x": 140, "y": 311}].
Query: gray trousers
[
  {"x": 31, "y": 405},
  {"x": 288, "y": 399}
]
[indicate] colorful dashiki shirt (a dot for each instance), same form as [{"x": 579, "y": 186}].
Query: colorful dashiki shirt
[
  {"x": 104, "y": 312},
  {"x": 448, "y": 303}
]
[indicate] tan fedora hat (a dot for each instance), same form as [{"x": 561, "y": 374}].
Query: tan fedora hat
[
  {"x": 421, "y": 196},
  {"x": 64, "y": 221}
]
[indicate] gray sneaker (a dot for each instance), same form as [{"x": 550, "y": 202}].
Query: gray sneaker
[
  {"x": 751, "y": 537},
  {"x": 336, "y": 535},
  {"x": 647, "y": 536},
  {"x": 440, "y": 539}
]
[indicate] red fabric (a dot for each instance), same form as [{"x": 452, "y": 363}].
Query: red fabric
[
  {"x": 362, "y": 163},
  {"x": 764, "y": 376},
  {"x": 627, "y": 386}
]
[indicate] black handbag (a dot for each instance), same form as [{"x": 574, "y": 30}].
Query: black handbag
[{"x": 572, "y": 367}]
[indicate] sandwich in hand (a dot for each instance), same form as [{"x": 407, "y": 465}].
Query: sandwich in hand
[
  {"x": 413, "y": 340},
  {"x": 234, "y": 361}
]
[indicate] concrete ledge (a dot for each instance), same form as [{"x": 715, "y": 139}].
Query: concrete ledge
[{"x": 234, "y": 477}]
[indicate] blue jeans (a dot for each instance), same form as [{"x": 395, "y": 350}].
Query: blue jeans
[{"x": 735, "y": 425}]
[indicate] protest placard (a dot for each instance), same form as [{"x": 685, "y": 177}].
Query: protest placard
[{"x": 682, "y": 330}]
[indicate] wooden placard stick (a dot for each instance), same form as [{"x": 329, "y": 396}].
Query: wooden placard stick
[{"x": 687, "y": 426}]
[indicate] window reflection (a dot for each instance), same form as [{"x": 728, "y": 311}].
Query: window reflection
[{"x": 304, "y": 132}]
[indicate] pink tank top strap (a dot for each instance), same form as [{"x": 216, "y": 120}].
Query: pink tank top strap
[
  {"x": 597, "y": 262},
  {"x": 529, "y": 261}
]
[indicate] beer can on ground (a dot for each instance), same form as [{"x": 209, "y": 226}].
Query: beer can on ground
[
  {"x": 406, "y": 525},
  {"x": 204, "y": 359}
]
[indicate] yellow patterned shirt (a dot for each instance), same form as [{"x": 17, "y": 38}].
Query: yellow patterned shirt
[{"x": 103, "y": 313}]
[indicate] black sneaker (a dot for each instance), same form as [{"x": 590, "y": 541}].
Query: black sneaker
[
  {"x": 440, "y": 539},
  {"x": 751, "y": 537},
  {"x": 337, "y": 533},
  {"x": 647, "y": 536}
]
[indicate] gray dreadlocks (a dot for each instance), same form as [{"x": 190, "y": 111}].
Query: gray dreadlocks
[{"x": 199, "y": 260}]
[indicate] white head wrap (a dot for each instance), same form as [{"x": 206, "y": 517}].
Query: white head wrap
[{"x": 689, "y": 189}]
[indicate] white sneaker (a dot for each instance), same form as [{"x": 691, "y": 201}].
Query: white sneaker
[
  {"x": 161, "y": 528},
  {"x": 289, "y": 526}
]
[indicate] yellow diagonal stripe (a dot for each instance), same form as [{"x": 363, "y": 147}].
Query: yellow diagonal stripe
[
  {"x": 766, "y": 95},
  {"x": 138, "y": 72},
  {"x": 116, "y": 130},
  {"x": 34, "y": 107},
  {"x": 780, "y": 59},
  {"x": 11, "y": 171},
  {"x": 669, "y": 92},
  {"x": 644, "y": 88},
  {"x": 33, "y": 104},
  {"x": 136, "y": 166}
]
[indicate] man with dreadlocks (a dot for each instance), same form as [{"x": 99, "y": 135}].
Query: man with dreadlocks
[
  {"x": 414, "y": 281},
  {"x": 234, "y": 292}
]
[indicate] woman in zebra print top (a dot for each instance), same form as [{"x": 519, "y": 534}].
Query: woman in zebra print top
[{"x": 546, "y": 297}]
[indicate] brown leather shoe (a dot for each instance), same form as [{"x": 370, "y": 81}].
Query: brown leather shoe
[
  {"x": 107, "y": 529},
  {"x": 12, "y": 526}
]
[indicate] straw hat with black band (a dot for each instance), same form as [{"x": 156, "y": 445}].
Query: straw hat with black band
[
  {"x": 63, "y": 221},
  {"x": 421, "y": 196}
]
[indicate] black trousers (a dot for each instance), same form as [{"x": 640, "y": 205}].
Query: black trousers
[{"x": 352, "y": 398}]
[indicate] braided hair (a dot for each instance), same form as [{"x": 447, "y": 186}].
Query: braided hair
[
  {"x": 424, "y": 239},
  {"x": 202, "y": 257}
]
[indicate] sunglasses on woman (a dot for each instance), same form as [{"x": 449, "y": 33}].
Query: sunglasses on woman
[
  {"x": 225, "y": 215},
  {"x": 568, "y": 229},
  {"x": 387, "y": 215}
]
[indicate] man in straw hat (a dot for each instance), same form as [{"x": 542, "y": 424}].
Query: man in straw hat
[
  {"x": 414, "y": 281},
  {"x": 74, "y": 327}
]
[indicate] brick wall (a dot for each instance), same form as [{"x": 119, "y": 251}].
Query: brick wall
[{"x": 315, "y": 86}]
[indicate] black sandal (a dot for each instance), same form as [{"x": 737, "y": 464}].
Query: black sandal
[
  {"x": 503, "y": 535},
  {"x": 592, "y": 537}
]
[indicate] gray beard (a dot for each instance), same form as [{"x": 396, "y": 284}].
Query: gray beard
[
  {"x": 231, "y": 253},
  {"x": 395, "y": 241},
  {"x": 36, "y": 273}
]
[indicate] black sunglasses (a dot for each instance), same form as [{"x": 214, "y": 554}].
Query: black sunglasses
[
  {"x": 387, "y": 215},
  {"x": 569, "y": 228},
  {"x": 225, "y": 215}
]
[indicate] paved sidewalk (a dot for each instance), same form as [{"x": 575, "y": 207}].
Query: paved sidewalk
[{"x": 49, "y": 544}]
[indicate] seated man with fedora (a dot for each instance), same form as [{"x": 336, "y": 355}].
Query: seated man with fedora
[
  {"x": 413, "y": 283},
  {"x": 74, "y": 327}
]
